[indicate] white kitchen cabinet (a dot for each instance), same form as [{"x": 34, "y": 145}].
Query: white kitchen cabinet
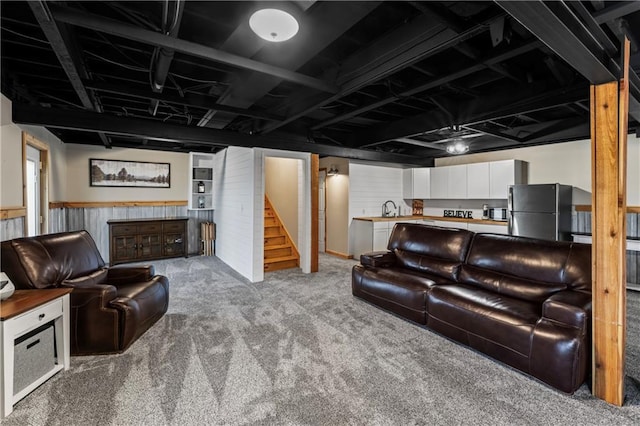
[
  {"x": 478, "y": 186},
  {"x": 457, "y": 184},
  {"x": 380, "y": 235},
  {"x": 416, "y": 183},
  {"x": 451, "y": 224},
  {"x": 439, "y": 182},
  {"x": 486, "y": 228},
  {"x": 502, "y": 174}
]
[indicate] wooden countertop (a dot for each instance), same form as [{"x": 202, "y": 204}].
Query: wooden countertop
[
  {"x": 24, "y": 300},
  {"x": 447, "y": 219}
]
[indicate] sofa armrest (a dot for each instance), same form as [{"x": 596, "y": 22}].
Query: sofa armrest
[
  {"x": 97, "y": 295},
  {"x": 378, "y": 259},
  {"x": 568, "y": 307},
  {"x": 128, "y": 274}
]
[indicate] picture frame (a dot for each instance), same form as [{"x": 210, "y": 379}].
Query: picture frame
[{"x": 123, "y": 174}]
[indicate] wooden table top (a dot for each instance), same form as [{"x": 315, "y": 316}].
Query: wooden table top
[{"x": 24, "y": 300}]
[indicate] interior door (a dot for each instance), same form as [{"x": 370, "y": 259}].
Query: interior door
[
  {"x": 322, "y": 225},
  {"x": 33, "y": 191}
]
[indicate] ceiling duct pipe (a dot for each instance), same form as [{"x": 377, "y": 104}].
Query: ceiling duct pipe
[{"x": 162, "y": 57}]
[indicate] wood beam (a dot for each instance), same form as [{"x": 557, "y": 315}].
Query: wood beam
[{"x": 609, "y": 120}]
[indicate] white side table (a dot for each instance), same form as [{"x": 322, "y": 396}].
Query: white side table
[{"x": 27, "y": 310}]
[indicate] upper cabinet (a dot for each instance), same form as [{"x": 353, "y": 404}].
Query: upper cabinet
[
  {"x": 457, "y": 183},
  {"x": 416, "y": 183},
  {"x": 489, "y": 180},
  {"x": 200, "y": 181},
  {"x": 503, "y": 174},
  {"x": 439, "y": 182},
  {"x": 478, "y": 180}
]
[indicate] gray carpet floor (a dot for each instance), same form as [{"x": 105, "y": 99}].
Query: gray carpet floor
[{"x": 298, "y": 349}]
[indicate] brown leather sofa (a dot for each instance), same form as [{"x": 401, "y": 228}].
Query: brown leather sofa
[
  {"x": 522, "y": 301},
  {"x": 110, "y": 307}
]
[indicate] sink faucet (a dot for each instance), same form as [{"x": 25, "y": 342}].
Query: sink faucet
[{"x": 386, "y": 212}]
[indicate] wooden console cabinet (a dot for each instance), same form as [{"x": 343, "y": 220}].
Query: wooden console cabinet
[{"x": 137, "y": 240}]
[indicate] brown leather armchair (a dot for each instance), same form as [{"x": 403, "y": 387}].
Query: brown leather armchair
[{"x": 110, "y": 307}]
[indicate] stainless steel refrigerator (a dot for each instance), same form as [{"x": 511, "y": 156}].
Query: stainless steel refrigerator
[{"x": 540, "y": 211}]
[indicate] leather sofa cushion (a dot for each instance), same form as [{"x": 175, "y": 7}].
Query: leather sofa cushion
[
  {"x": 526, "y": 268},
  {"x": 51, "y": 259},
  {"x": 517, "y": 287},
  {"x": 400, "y": 291},
  {"x": 500, "y": 319},
  {"x": 430, "y": 249}
]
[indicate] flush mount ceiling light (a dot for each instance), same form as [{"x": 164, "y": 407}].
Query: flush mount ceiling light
[
  {"x": 457, "y": 148},
  {"x": 273, "y": 25}
]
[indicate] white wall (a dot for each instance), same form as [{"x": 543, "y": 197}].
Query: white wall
[
  {"x": 11, "y": 161},
  {"x": 568, "y": 163},
  {"x": 236, "y": 202},
  {"x": 281, "y": 186},
  {"x": 78, "y": 188},
  {"x": 369, "y": 187},
  {"x": 337, "y": 206}
]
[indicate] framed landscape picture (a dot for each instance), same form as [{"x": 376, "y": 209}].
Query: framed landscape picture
[{"x": 129, "y": 173}]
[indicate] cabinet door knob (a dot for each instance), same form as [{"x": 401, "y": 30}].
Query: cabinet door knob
[{"x": 40, "y": 317}]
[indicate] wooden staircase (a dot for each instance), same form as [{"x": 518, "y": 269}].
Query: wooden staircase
[{"x": 279, "y": 250}]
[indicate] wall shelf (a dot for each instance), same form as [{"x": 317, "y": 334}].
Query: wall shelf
[{"x": 200, "y": 191}]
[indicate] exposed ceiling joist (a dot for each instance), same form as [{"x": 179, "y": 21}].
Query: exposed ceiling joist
[
  {"x": 556, "y": 26},
  {"x": 249, "y": 86},
  {"x": 190, "y": 99},
  {"x": 495, "y": 106},
  {"x": 152, "y": 129},
  {"x": 421, "y": 38},
  {"x": 71, "y": 62},
  {"x": 616, "y": 11},
  {"x": 436, "y": 82},
  {"x": 109, "y": 26}
]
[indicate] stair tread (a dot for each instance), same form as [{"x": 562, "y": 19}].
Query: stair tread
[
  {"x": 281, "y": 259},
  {"x": 276, "y": 247}
]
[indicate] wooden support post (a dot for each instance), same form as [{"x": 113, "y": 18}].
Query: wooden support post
[
  {"x": 315, "y": 170},
  {"x": 609, "y": 121}
]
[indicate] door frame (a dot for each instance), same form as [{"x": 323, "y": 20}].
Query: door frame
[{"x": 32, "y": 141}]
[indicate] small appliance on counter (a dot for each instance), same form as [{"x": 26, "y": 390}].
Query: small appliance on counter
[
  {"x": 485, "y": 211},
  {"x": 498, "y": 213}
]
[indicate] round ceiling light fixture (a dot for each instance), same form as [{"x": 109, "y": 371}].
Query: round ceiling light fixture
[
  {"x": 273, "y": 25},
  {"x": 457, "y": 148}
]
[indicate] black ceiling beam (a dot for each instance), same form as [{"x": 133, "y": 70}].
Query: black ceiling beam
[
  {"x": 555, "y": 24},
  {"x": 189, "y": 99},
  {"x": 249, "y": 87},
  {"x": 411, "y": 43},
  {"x": 436, "y": 82},
  {"x": 162, "y": 56},
  {"x": 152, "y": 129},
  {"x": 616, "y": 11},
  {"x": 65, "y": 48},
  {"x": 109, "y": 26},
  {"x": 493, "y": 106}
]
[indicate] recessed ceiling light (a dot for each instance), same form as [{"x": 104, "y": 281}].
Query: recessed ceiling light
[{"x": 273, "y": 25}]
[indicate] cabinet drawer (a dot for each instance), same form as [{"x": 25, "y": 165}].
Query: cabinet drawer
[
  {"x": 123, "y": 229},
  {"x": 150, "y": 228},
  {"x": 40, "y": 316},
  {"x": 174, "y": 227}
]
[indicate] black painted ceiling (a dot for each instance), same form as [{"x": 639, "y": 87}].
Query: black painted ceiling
[{"x": 391, "y": 81}]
